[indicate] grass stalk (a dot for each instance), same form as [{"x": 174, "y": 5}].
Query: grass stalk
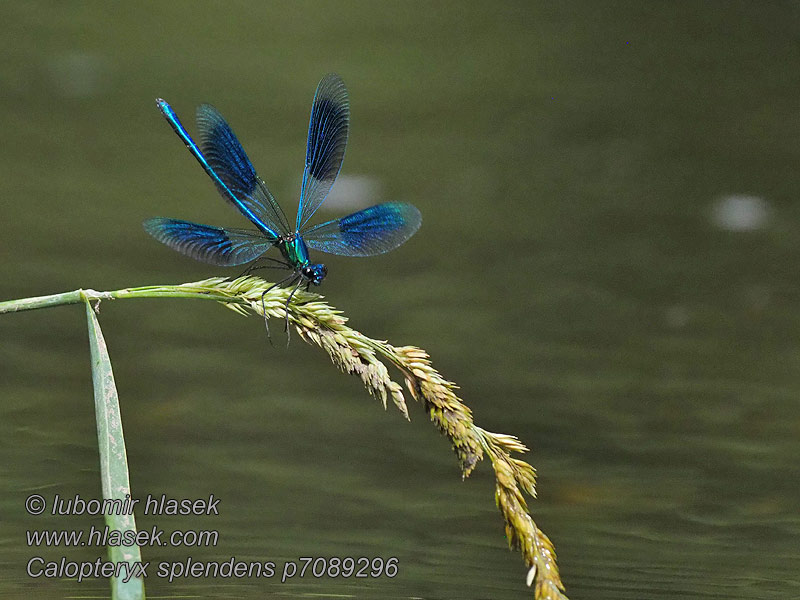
[{"x": 352, "y": 352}]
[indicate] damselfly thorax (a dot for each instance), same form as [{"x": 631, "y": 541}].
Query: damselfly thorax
[{"x": 295, "y": 252}]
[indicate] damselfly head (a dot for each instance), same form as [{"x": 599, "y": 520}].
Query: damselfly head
[{"x": 314, "y": 273}]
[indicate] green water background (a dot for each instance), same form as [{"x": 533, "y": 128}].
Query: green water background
[{"x": 570, "y": 275}]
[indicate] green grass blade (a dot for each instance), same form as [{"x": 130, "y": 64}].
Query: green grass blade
[{"x": 113, "y": 459}]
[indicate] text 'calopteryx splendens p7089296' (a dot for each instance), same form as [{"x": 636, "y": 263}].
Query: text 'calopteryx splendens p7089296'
[{"x": 368, "y": 232}]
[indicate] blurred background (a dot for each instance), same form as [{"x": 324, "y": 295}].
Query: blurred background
[{"x": 608, "y": 266}]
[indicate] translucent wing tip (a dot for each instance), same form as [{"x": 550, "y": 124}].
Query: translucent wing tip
[
  {"x": 333, "y": 78},
  {"x": 411, "y": 215},
  {"x": 208, "y": 112},
  {"x": 331, "y": 87},
  {"x": 403, "y": 217},
  {"x": 155, "y": 226}
]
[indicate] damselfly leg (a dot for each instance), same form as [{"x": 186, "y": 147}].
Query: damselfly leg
[
  {"x": 289, "y": 299},
  {"x": 278, "y": 264},
  {"x": 291, "y": 278}
]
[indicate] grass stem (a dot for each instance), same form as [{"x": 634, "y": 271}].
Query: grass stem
[{"x": 352, "y": 352}]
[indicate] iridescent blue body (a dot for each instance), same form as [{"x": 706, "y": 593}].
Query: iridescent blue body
[
  {"x": 368, "y": 232},
  {"x": 295, "y": 251}
]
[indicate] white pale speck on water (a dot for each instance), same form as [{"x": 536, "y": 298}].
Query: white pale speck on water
[
  {"x": 677, "y": 316},
  {"x": 79, "y": 74},
  {"x": 740, "y": 212},
  {"x": 353, "y": 192}
]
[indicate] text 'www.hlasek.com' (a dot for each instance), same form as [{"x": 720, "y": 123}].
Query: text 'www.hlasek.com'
[{"x": 39, "y": 566}]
